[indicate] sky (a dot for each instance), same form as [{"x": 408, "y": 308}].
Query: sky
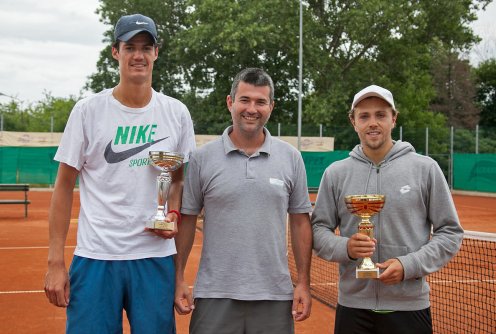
[{"x": 52, "y": 46}]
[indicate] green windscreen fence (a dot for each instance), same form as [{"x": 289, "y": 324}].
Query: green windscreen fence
[
  {"x": 35, "y": 165},
  {"x": 475, "y": 172},
  {"x": 317, "y": 162}
]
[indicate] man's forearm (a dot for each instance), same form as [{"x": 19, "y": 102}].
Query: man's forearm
[
  {"x": 60, "y": 213},
  {"x": 176, "y": 190},
  {"x": 301, "y": 241},
  {"x": 184, "y": 242}
]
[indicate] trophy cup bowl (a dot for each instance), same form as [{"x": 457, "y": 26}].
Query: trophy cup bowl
[
  {"x": 167, "y": 162},
  {"x": 365, "y": 206}
]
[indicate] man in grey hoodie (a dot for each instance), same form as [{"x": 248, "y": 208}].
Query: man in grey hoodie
[{"x": 418, "y": 202}]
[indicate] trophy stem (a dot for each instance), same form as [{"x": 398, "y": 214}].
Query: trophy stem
[
  {"x": 367, "y": 269},
  {"x": 163, "y": 186}
]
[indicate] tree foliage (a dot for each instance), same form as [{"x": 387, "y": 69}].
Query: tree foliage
[
  {"x": 48, "y": 114},
  {"x": 400, "y": 44},
  {"x": 455, "y": 89},
  {"x": 486, "y": 91},
  {"x": 347, "y": 45},
  {"x": 412, "y": 47}
]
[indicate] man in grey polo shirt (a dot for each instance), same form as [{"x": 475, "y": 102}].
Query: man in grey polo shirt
[{"x": 247, "y": 182}]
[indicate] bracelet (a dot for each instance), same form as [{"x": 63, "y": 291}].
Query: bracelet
[{"x": 178, "y": 214}]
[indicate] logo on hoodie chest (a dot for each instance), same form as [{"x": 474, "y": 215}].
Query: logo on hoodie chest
[{"x": 405, "y": 189}]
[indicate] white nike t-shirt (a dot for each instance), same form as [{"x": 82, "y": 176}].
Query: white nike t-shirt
[{"x": 109, "y": 144}]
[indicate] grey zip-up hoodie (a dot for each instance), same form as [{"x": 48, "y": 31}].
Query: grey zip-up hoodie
[{"x": 417, "y": 200}]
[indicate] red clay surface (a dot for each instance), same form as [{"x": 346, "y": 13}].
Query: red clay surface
[{"x": 23, "y": 259}]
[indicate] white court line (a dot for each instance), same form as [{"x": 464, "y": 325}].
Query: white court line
[
  {"x": 323, "y": 284},
  {"x": 467, "y": 281},
  {"x": 34, "y": 247},
  {"x": 20, "y": 292},
  {"x": 33, "y": 291},
  {"x": 430, "y": 282},
  {"x": 46, "y": 247}
]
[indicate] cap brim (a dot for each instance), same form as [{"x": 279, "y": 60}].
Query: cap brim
[
  {"x": 370, "y": 94},
  {"x": 130, "y": 34}
]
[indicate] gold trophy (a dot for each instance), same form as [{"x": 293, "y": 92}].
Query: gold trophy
[
  {"x": 365, "y": 206},
  {"x": 168, "y": 162}
]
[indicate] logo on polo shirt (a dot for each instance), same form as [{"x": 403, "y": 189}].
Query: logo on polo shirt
[{"x": 276, "y": 182}]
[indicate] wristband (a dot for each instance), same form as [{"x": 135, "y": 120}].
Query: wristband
[{"x": 178, "y": 214}]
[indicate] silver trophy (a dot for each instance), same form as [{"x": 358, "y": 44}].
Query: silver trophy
[{"x": 168, "y": 162}]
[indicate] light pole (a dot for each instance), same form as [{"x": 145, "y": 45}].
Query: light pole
[
  {"x": 1, "y": 114},
  {"x": 11, "y": 97}
]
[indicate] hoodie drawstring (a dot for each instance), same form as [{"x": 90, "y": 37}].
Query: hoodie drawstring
[{"x": 368, "y": 179}]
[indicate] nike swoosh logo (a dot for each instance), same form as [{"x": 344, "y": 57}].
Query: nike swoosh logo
[{"x": 115, "y": 157}]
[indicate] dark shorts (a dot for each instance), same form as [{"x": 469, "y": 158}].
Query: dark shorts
[
  {"x": 100, "y": 290},
  {"x": 353, "y": 320},
  {"x": 230, "y": 316}
]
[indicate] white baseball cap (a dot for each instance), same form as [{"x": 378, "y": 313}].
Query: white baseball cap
[{"x": 376, "y": 91}]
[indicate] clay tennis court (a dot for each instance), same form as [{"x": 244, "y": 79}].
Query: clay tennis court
[{"x": 23, "y": 256}]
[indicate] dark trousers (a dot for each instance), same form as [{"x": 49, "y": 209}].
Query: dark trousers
[{"x": 359, "y": 321}]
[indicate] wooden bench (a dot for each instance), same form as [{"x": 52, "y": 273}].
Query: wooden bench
[
  {"x": 313, "y": 190},
  {"x": 16, "y": 187}
]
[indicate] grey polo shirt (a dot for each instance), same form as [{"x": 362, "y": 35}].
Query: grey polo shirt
[{"x": 246, "y": 200}]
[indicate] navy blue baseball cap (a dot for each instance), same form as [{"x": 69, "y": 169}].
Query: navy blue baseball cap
[{"x": 129, "y": 26}]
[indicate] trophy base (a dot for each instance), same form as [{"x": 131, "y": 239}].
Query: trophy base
[
  {"x": 367, "y": 273},
  {"x": 160, "y": 225}
]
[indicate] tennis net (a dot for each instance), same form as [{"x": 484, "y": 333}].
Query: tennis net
[{"x": 463, "y": 293}]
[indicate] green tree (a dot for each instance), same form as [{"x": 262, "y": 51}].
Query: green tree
[
  {"x": 486, "y": 92},
  {"x": 224, "y": 36},
  {"x": 37, "y": 117},
  {"x": 386, "y": 43},
  {"x": 14, "y": 116},
  {"x": 51, "y": 109},
  {"x": 347, "y": 45},
  {"x": 454, "y": 82}
]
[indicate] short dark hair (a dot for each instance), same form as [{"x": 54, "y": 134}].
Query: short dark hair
[{"x": 253, "y": 76}]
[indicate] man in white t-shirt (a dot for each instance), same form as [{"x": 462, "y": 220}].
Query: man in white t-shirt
[{"x": 119, "y": 264}]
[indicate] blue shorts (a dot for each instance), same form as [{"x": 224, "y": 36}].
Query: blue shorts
[{"x": 101, "y": 290}]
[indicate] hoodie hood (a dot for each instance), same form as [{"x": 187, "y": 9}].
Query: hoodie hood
[{"x": 399, "y": 149}]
